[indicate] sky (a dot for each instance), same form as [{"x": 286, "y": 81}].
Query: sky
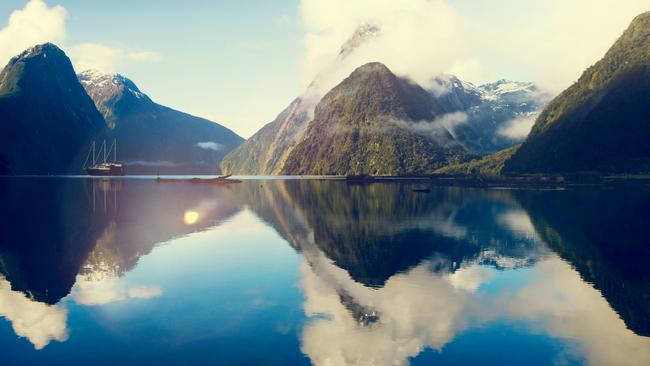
[{"x": 239, "y": 63}]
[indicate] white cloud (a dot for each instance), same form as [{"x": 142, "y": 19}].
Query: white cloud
[
  {"x": 417, "y": 38},
  {"x": 38, "y": 322},
  {"x": 550, "y": 42},
  {"x": 39, "y": 23},
  {"x": 210, "y": 145},
  {"x": 97, "y": 56},
  {"x": 438, "y": 128},
  {"x": 100, "y": 291},
  {"x": 419, "y": 309},
  {"x": 518, "y": 128},
  {"x": 34, "y": 24}
]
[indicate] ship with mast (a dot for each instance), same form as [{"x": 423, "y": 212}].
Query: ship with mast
[{"x": 104, "y": 167}]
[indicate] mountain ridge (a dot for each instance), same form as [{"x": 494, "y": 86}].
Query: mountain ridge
[
  {"x": 599, "y": 123},
  {"x": 44, "y": 106},
  {"x": 365, "y": 125},
  {"x": 155, "y": 138}
]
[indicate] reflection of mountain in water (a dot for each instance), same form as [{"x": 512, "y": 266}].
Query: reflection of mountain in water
[
  {"x": 408, "y": 266},
  {"x": 376, "y": 231},
  {"x": 604, "y": 234},
  {"x": 55, "y": 229}
]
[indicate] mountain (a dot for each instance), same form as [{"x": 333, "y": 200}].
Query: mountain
[
  {"x": 267, "y": 150},
  {"x": 493, "y": 110},
  {"x": 153, "y": 138},
  {"x": 374, "y": 232},
  {"x": 489, "y": 109},
  {"x": 47, "y": 119},
  {"x": 373, "y": 123},
  {"x": 602, "y": 122},
  {"x": 487, "y": 165}
]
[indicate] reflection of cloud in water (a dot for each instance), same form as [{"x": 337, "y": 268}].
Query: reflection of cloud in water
[
  {"x": 575, "y": 310},
  {"x": 518, "y": 222},
  {"x": 419, "y": 309},
  {"x": 38, "y": 322},
  {"x": 91, "y": 291}
]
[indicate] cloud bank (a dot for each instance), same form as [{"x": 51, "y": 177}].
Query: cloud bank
[
  {"x": 39, "y": 23},
  {"x": 34, "y": 24},
  {"x": 38, "y": 322},
  {"x": 550, "y": 42},
  {"x": 518, "y": 128},
  {"x": 97, "y": 56}
]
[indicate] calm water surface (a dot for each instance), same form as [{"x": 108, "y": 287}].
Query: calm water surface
[{"x": 299, "y": 272}]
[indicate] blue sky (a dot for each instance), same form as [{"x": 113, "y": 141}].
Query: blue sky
[
  {"x": 240, "y": 63},
  {"x": 216, "y": 57}
]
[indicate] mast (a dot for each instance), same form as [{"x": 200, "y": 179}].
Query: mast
[
  {"x": 94, "y": 162},
  {"x": 104, "y": 147},
  {"x": 115, "y": 150}
]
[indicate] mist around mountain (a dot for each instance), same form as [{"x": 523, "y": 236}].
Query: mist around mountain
[
  {"x": 153, "y": 138},
  {"x": 479, "y": 119},
  {"x": 499, "y": 114},
  {"x": 375, "y": 123}
]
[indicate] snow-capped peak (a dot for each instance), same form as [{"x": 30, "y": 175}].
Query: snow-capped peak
[
  {"x": 98, "y": 80},
  {"x": 504, "y": 86}
]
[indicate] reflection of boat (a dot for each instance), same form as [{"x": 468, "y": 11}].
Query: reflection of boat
[
  {"x": 224, "y": 179},
  {"x": 104, "y": 168}
]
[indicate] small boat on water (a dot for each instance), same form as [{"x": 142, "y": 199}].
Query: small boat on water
[{"x": 104, "y": 168}]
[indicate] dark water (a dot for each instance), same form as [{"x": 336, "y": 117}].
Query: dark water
[{"x": 320, "y": 272}]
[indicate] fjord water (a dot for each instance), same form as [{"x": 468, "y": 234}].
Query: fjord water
[{"x": 132, "y": 271}]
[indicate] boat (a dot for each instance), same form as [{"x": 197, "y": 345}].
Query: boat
[{"x": 104, "y": 168}]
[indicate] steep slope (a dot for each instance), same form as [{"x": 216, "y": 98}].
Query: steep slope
[
  {"x": 487, "y": 165},
  {"x": 47, "y": 119},
  {"x": 152, "y": 138},
  {"x": 497, "y": 113},
  {"x": 267, "y": 150},
  {"x": 602, "y": 122},
  {"x": 375, "y": 123}
]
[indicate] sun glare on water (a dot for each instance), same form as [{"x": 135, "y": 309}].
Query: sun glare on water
[{"x": 191, "y": 217}]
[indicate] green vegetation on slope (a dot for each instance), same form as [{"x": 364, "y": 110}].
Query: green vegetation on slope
[
  {"x": 602, "y": 122},
  {"x": 368, "y": 125},
  {"x": 488, "y": 165}
]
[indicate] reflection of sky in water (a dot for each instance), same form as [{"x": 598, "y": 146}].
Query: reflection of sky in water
[
  {"x": 237, "y": 293},
  {"x": 419, "y": 310}
]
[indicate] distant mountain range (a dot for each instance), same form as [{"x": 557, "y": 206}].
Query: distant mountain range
[
  {"x": 499, "y": 114},
  {"x": 373, "y": 122},
  {"x": 473, "y": 120},
  {"x": 50, "y": 118},
  {"x": 153, "y": 138},
  {"x": 601, "y": 124}
]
